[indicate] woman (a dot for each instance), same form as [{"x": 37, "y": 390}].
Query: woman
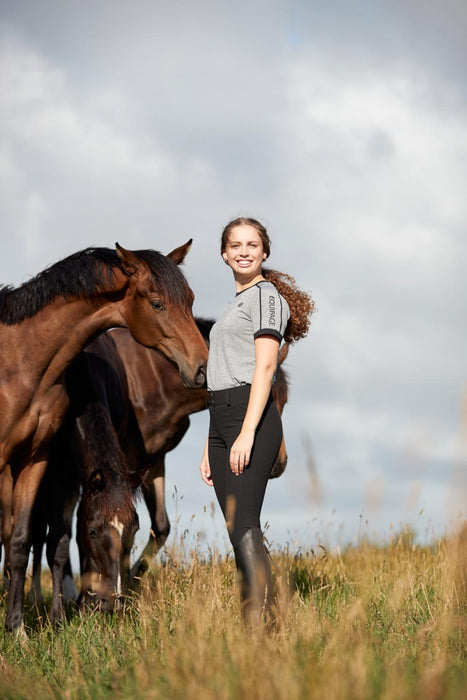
[{"x": 245, "y": 429}]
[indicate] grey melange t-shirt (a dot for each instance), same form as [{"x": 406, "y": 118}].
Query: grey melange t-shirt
[{"x": 258, "y": 310}]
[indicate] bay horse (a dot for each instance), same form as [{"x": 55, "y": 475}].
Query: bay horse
[
  {"x": 44, "y": 324},
  {"x": 147, "y": 417}
]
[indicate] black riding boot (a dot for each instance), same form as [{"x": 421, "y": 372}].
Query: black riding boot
[{"x": 252, "y": 562}]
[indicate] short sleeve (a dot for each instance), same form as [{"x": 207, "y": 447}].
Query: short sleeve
[{"x": 269, "y": 312}]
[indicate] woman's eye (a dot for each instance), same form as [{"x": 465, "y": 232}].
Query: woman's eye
[{"x": 158, "y": 305}]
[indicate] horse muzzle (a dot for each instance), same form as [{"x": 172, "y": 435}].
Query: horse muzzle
[{"x": 198, "y": 381}]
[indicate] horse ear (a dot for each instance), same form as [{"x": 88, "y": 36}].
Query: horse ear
[
  {"x": 178, "y": 255},
  {"x": 284, "y": 351},
  {"x": 96, "y": 481},
  {"x": 131, "y": 263}
]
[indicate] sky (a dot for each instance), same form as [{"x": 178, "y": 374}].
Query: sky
[{"x": 342, "y": 126}]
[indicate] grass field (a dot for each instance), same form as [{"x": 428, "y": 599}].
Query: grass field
[{"x": 370, "y": 622}]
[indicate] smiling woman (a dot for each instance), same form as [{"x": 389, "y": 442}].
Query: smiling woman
[{"x": 245, "y": 430}]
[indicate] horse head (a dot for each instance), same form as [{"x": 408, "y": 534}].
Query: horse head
[
  {"x": 157, "y": 309},
  {"x": 101, "y": 533}
]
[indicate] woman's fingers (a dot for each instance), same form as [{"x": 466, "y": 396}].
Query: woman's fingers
[
  {"x": 207, "y": 479},
  {"x": 206, "y": 474},
  {"x": 239, "y": 459},
  {"x": 240, "y": 452}
]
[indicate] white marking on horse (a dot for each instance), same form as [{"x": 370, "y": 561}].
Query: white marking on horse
[{"x": 119, "y": 527}]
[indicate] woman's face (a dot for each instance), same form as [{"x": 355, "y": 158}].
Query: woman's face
[{"x": 244, "y": 251}]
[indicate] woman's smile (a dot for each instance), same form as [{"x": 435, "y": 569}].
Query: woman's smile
[{"x": 244, "y": 253}]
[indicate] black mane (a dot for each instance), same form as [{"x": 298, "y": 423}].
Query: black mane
[
  {"x": 83, "y": 275},
  {"x": 103, "y": 467},
  {"x": 204, "y": 327}
]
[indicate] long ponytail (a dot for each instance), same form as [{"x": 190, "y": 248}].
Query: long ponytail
[{"x": 300, "y": 303}]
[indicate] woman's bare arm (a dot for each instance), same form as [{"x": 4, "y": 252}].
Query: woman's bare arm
[{"x": 266, "y": 352}]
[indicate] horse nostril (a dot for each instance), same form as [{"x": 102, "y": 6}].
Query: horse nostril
[{"x": 200, "y": 378}]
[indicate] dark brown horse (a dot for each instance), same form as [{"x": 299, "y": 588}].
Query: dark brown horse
[
  {"x": 107, "y": 519},
  {"x": 146, "y": 412},
  {"x": 87, "y": 452},
  {"x": 44, "y": 324}
]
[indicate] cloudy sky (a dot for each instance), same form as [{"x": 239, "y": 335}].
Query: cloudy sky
[{"x": 342, "y": 126}]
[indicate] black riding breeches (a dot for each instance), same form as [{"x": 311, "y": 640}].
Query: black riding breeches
[{"x": 241, "y": 497}]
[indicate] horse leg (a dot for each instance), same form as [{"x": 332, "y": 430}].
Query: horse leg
[
  {"x": 6, "y": 494},
  {"x": 58, "y": 557},
  {"x": 153, "y": 488},
  {"x": 58, "y": 542},
  {"x": 25, "y": 487},
  {"x": 70, "y": 592},
  {"x": 62, "y": 494},
  {"x": 38, "y": 534}
]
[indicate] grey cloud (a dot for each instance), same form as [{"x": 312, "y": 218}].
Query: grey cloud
[{"x": 341, "y": 125}]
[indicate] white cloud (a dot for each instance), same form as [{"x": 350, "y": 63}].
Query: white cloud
[
  {"x": 333, "y": 127},
  {"x": 394, "y": 167},
  {"x": 40, "y": 113}
]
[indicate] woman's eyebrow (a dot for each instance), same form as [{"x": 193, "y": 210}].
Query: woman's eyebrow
[{"x": 239, "y": 242}]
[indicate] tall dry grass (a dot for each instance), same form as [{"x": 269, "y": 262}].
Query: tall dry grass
[{"x": 369, "y": 622}]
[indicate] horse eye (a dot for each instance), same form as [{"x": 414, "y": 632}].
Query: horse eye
[
  {"x": 92, "y": 532},
  {"x": 158, "y": 305}
]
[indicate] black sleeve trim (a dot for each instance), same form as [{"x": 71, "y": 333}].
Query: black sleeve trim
[{"x": 268, "y": 331}]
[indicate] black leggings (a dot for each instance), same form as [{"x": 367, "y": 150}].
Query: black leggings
[{"x": 241, "y": 497}]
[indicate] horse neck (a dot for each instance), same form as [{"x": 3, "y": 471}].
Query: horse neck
[{"x": 56, "y": 334}]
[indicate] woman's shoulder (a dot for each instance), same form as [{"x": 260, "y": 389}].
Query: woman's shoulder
[
  {"x": 257, "y": 292},
  {"x": 267, "y": 287}
]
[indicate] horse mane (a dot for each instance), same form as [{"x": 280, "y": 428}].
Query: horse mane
[
  {"x": 204, "y": 326},
  {"x": 105, "y": 465},
  {"x": 83, "y": 275}
]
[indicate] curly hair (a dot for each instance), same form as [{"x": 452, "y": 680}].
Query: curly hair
[{"x": 300, "y": 303}]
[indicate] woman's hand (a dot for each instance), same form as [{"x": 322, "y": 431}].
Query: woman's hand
[
  {"x": 241, "y": 450},
  {"x": 205, "y": 468}
]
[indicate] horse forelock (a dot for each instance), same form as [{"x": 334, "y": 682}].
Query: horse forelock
[
  {"x": 79, "y": 276},
  {"x": 101, "y": 452},
  {"x": 116, "y": 502},
  {"x": 168, "y": 278}
]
